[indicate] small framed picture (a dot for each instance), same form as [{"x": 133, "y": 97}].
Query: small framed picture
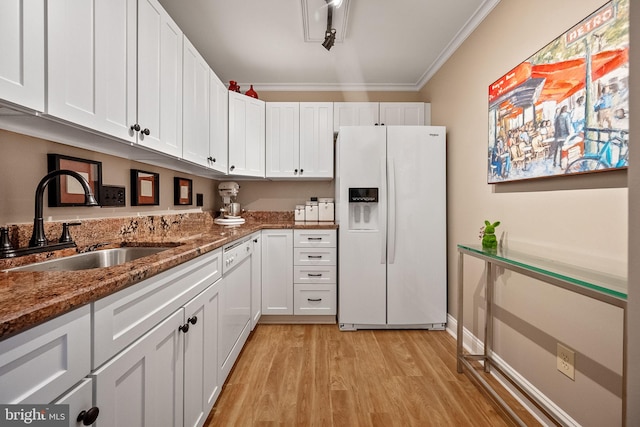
[
  {"x": 145, "y": 188},
  {"x": 182, "y": 191},
  {"x": 65, "y": 190}
]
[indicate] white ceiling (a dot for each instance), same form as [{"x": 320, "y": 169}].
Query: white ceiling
[{"x": 388, "y": 44}]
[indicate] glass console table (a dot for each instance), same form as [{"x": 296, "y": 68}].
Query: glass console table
[{"x": 602, "y": 287}]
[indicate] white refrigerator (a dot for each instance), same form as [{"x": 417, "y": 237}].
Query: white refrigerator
[{"x": 391, "y": 210}]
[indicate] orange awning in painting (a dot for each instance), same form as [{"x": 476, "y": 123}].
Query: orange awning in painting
[{"x": 563, "y": 79}]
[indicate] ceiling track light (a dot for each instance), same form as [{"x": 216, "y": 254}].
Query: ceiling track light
[{"x": 330, "y": 34}]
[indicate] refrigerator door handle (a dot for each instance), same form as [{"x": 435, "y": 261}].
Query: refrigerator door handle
[
  {"x": 391, "y": 223},
  {"x": 383, "y": 240}
]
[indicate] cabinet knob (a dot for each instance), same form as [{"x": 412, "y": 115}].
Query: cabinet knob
[
  {"x": 232, "y": 168},
  {"x": 295, "y": 171},
  {"x": 146, "y": 131},
  {"x": 301, "y": 170},
  {"x": 255, "y": 240},
  {"x": 89, "y": 416},
  {"x": 135, "y": 127},
  {"x": 193, "y": 320},
  {"x": 184, "y": 328}
]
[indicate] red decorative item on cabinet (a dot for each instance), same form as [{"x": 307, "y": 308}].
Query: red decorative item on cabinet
[
  {"x": 252, "y": 93},
  {"x": 233, "y": 86}
]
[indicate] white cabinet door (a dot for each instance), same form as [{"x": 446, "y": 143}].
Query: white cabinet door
[
  {"x": 256, "y": 279},
  {"x": 80, "y": 401},
  {"x": 282, "y": 139},
  {"x": 246, "y": 135},
  {"x": 92, "y": 64},
  {"x": 22, "y": 51},
  {"x": 38, "y": 365},
  {"x": 218, "y": 124},
  {"x": 354, "y": 114},
  {"x": 255, "y": 137},
  {"x": 159, "y": 79},
  {"x": 277, "y": 272},
  {"x": 142, "y": 386},
  {"x": 402, "y": 113},
  {"x": 316, "y": 140},
  {"x": 201, "y": 386},
  {"x": 195, "y": 99}
]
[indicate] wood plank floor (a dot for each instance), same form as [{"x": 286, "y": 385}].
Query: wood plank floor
[{"x": 315, "y": 375}]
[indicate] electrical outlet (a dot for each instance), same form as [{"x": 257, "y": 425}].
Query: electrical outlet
[{"x": 566, "y": 361}]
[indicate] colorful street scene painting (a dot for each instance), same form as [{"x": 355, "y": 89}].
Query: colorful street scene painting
[{"x": 565, "y": 110}]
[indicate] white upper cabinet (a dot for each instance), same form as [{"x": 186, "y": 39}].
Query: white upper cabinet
[
  {"x": 316, "y": 140},
  {"x": 115, "y": 66},
  {"x": 22, "y": 52},
  {"x": 159, "y": 79},
  {"x": 246, "y": 135},
  {"x": 355, "y": 114},
  {"x": 299, "y": 140},
  {"x": 379, "y": 113},
  {"x": 218, "y": 124},
  {"x": 92, "y": 64},
  {"x": 401, "y": 113},
  {"x": 195, "y": 96},
  {"x": 283, "y": 139}
]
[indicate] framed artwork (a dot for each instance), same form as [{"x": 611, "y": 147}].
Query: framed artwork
[
  {"x": 565, "y": 110},
  {"x": 145, "y": 188},
  {"x": 65, "y": 190},
  {"x": 182, "y": 191}
]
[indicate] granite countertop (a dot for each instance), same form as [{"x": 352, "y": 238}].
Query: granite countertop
[{"x": 30, "y": 298}]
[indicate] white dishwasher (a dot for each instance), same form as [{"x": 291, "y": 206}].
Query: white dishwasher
[{"x": 235, "y": 302}]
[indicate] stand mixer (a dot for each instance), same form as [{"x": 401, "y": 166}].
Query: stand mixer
[{"x": 230, "y": 211}]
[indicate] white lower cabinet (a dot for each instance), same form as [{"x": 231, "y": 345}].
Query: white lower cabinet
[
  {"x": 45, "y": 361},
  {"x": 143, "y": 385},
  {"x": 315, "y": 264},
  {"x": 169, "y": 376},
  {"x": 277, "y": 272},
  {"x": 299, "y": 272},
  {"x": 201, "y": 384}
]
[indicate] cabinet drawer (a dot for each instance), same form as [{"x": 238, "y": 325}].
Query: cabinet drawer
[
  {"x": 314, "y": 238},
  {"x": 314, "y": 274},
  {"x": 314, "y": 299},
  {"x": 123, "y": 317},
  {"x": 43, "y": 362},
  {"x": 314, "y": 256}
]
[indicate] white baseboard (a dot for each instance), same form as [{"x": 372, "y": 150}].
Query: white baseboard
[{"x": 472, "y": 344}]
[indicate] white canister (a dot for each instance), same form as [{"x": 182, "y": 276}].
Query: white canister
[
  {"x": 326, "y": 209},
  {"x": 299, "y": 213},
  {"x": 311, "y": 211}
]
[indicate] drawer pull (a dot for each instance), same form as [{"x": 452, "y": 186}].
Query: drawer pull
[
  {"x": 314, "y": 299},
  {"x": 314, "y": 256},
  {"x": 314, "y": 274},
  {"x": 314, "y": 238}
]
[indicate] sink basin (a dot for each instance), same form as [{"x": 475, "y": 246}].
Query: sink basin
[{"x": 97, "y": 259}]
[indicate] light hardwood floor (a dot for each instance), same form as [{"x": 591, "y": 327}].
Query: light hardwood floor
[{"x": 315, "y": 375}]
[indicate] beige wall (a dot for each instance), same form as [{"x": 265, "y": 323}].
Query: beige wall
[
  {"x": 24, "y": 163},
  {"x": 581, "y": 220}
]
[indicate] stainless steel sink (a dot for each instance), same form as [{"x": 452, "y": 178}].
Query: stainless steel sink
[{"x": 97, "y": 259}]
